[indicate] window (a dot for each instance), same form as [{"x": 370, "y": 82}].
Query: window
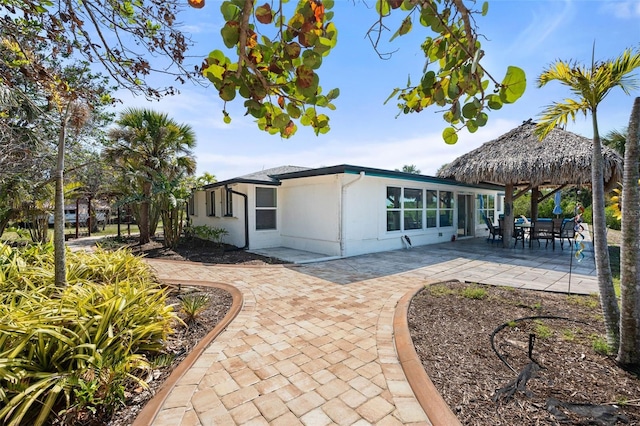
[
  {"x": 432, "y": 208},
  {"x": 407, "y": 208},
  {"x": 486, "y": 208},
  {"x": 228, "y": 202},
  {"x": 412, "y": 203},
  {"x": 393, "y": 208},
  {"x": 266, "y": 205},
  {"x": 212, "y": 203},
  {"x": 446, "y": 208},
  {"x": 192, "y": 204}
]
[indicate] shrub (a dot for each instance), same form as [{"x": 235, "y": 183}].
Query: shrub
[
  {"x": 587, "y": 216},
  {"x": 192, "y": 305},
  {"x": 68, "y": 351},
  {"x": 206, "y": 233},
  {"x": 612, "y": 221}
]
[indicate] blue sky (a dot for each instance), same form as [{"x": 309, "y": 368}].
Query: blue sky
[{"x": 527, "y": 33}]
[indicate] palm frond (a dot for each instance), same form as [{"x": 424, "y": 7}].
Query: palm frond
[
  {"x": 557, "y": 114},
  {"x": 622, "y": 66}
]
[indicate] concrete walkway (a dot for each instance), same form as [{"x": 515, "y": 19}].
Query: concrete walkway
[{"x": 314, "y": 344}]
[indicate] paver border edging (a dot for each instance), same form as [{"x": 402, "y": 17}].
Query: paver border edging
[
  {"x": 153, "y": 406},
  {"x": 437, "y": 410},
  {"x": 223, "y": 265}
]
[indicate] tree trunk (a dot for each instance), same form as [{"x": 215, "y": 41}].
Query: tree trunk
[
  {"x": 535, "y": 195},
  {"x": 144, "y": 213},
  {"x": 154, "y": 215},
  {"x": 60, "y": 260},
  {"x": 629, "y": 350},
  {"x": 5, "y": 217},
  {"x": 608, "y": 299}
]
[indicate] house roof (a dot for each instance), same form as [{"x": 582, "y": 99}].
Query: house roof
[
  {"x": 518, "y": 157},
  {"x": 262, "y": 177},
  {"x": 275, "y": 175}
]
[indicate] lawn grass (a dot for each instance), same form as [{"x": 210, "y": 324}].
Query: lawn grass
[{"x": 13, "y": 235}]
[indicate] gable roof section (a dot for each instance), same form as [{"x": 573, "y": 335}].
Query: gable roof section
[
  {"x": 275, "y": 175},
  {"x": 262, "y": 177}
]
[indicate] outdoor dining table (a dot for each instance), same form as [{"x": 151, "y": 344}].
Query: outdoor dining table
[{"x": 526, "y": 230}]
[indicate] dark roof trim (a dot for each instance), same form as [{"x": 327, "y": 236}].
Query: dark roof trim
[
  {"x": 349, "y": 169},
  {"x": 240, "y": 180}
]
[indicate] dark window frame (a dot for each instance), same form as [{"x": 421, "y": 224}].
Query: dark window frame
[
  {"x": 192, "y": 204},
  {"x": 212, "y": 203},
  {"x": 269, "y": 209}
]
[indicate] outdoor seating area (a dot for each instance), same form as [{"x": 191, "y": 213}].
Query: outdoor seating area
[
  {"x": 527, "y": 231},
  {"x": 544, "y": 229}
]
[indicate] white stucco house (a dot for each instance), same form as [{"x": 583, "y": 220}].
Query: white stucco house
[{"x": 343, "y": 210}]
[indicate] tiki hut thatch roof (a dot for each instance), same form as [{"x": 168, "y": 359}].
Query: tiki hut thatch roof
[{"x": 518, "y": 157}]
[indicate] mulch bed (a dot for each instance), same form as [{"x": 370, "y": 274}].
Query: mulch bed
[
  {"x": 452, "y": 323},
  {"x": 192, "y": 249}
]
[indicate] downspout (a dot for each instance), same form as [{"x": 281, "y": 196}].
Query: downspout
[
  {"x": 246, "y": 215},
  {"x": 343, "y": 232}
]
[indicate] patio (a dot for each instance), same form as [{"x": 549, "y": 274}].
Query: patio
[
  {"x": 316, "y": 343},
  {"x": 471, "y": 259}
]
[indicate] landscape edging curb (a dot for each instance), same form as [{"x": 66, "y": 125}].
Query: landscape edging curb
[{"x": 434, "y": 406}]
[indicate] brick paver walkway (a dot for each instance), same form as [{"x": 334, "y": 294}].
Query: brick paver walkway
[{"x": 314, "y": 344}]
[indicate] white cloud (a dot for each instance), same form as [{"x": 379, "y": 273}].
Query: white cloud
[
  {"x": 427, "y": 152},
  {"x": 623, "y": 9}
]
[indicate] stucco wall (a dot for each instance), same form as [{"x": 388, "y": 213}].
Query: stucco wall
[
  {"x": 365, "y": 227},
  {"x": 336, "y": 215},
  {"x": 309, "y": 214},
  {"x": 262, "y": 238},
  {"x": 233, "y": 224}
]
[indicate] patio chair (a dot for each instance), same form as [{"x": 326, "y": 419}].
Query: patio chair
[
  {"x": 567, "y": 230},
  {"x": 494, "y": 231},
  {"x": 543, "y": 230},
  {"x": 518, "y": 233}
]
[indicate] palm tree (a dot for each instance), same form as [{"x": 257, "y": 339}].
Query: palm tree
[
  {"x": 591, "y": 85},
  {"x": 629, "y": 350},
  {"x": 150, "y": 145},
  {"x": 616, "y": 139}
]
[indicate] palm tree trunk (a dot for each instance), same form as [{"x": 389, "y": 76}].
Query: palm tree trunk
[
  {"x": 154, "y": 215},
  {"x": 608, "y": 300},
  {"x": 629, "y": 350},
  {"x": 144, "y": 213}
]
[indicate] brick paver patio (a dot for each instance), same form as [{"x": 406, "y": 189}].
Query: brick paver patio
[{"x": 314, "y": 345}]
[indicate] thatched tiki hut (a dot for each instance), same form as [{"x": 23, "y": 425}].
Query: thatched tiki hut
[{"x": 521, "y": 162}]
